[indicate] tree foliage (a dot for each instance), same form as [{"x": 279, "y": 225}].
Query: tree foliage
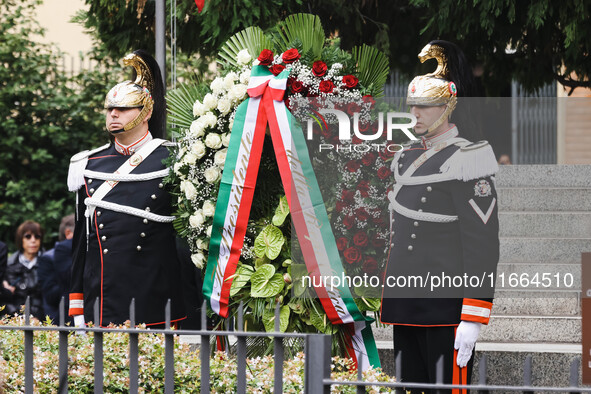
[
  {"x": 527, "y": 40},
  {"x": 46, "y": 118}
]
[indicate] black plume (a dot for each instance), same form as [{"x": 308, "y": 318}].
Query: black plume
[
  {"x": 460, "y": 70},
  {"x": 157, "y": 123}
]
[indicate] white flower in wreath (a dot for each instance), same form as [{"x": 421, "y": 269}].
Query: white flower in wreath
[
  {"x": 220, "y": 158},
  {"x": 198, "y": 108},
  {"x": 197, "y": 128},
  {"x": 243, "y": 57},
  {"x": 226, "y": 138},
  {"x": 213, "y": 141},
  {"x": 245, "y": 77},
  {"x": 210, "y": 101},
  {"x": 197, "y": 219},
  {"x": 198, "y": 149},
  {"x": 201, "y": 244},
  {"x": 209, "y": 119},
  {"x": 208, "y": 208},
  {"x": 231, "y": 123},
  {"x": 177, "y": 168},
  {"x": 238, "y": 92},
  {"x": 190, "y": 190},
  {"x": 198, "y": 259},
  {"x": 217, "y": 86},
  {"x": 229, "y": 80},
  {"x": 224, "y": 106},
  {"x": 212, "y": 174},
  {"x": 208, "y": 231},
  {"x": 190, "y": 158}
]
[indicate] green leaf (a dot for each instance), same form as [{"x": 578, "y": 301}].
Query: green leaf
[
  {"x": 269, "y": 242},
  {"x": 269, "y": 319},
  {"x": 305, "y": 29},
  {"x": 281, "y": 212},
  {"x": 243, "y": 274},
  {"x": 265, "y": 282},
  {"x": 373, "y": 68},
  {"x": 368, "y": 304},
  {"x": 252, "y": 38}
]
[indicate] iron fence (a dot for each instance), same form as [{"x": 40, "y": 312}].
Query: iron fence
[{"x": 317, "y": 350}]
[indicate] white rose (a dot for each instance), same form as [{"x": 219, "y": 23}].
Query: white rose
[
  {"x": 245, "y": 77},
  {"x": 209, "y": 101},
  {"x": 209, "y": 119},
  {"x": 190, "y": 191},
  {"x": 190, "y": 158},
  {"x": 177, "y": 168},
  {"x": 213, "y": 141},
  {"x": 217, "y": 86},
  {"x": 197, "y": 128},
  {"x": 208, "y": 231},
  {"x": 212, "y": 174},
  {"x": 243, "y": 57},
  {"x": 202, "y": 244},
  {"x": 197, "y": 219},
  {"x": 224, "y": 106},
  {"x": 198, "y": 108},
  {"x": 238, "y": 91},
  {"x": 220, "y": 158},
  {"x": 208, "y": 208},
  {"x": 226, "y": 139},
  {"x": 231, "y": 123},
  {"x": 198, "y": 259},
  {"x": 198, "y": 149}
]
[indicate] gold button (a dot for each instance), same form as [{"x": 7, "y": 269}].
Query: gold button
[
  {"x": 145, "y": 221},
  {"x": 147, "y": 209},
  {"x": 416, "y": 224},
  {"x": 410, "y": 248},
  {"x": 423, "y": 199},
  {"x": 153, "y": 196},
  {"x": 160, "y": 185},
  {"x": 429, "y": 188},
  {"x": 143, "y": 235},
  {"x": 98, "y": 213},
  {"x": 139, "y": 248},
  {"x": 103, "y": 238},
  {"x": 91, "y": 191},
  {"x": 90, "y": 181},
  {"x": 413, "y": 236},
  {"x": 101, "y": 226},
  {"x": 105, "y": 251}
]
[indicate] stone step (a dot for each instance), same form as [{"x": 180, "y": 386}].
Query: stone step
[
  {"x": 543, "y": 250},
  {"x": 536, "y": 304},
  {"x": 544, "y": 199},
  {"x": 540, "y": 277},
  {"x": 545, "y": 225},
  {"x": 505, "y": 363},
  {"x": 573, "y": 176},
  {"x": 527, "y": 329}
]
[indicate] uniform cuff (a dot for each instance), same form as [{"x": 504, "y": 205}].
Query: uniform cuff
[
  {"x": 76, "y": 304},
  {"x": 476, "y": 310}
]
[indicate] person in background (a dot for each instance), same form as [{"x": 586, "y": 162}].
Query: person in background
[
  {"x": 21, "y": 279},
  {"x": 54, "y": 271},
  {"x": 504, "y": 159}
]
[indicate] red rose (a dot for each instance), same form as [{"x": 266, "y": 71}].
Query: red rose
[
  {"x": 350, "y": 81},
  {"x": 277, "y": 68},
  {"x": 290, "y": 81},
  {"x": 326, "y": 86},
  {"x": 370, "y": 265},
  {"x": 348, "y": 222},
  {"x": 319, "y": 68},
  {"x": 347, "y": 195},
  {"x": 356, "y": 140},
  {"x": 363, "y": 187},
  {"x": 352, "y": 108},
  {"x": 342, "y": 243},
  {"x": 266, "y": 57},
  {"x": 384, "y": 172},
  {"x": 361, "y": 214},
  {"x": 290, "y": 56},
  {"x": 352, "y": 165},
  {"x": 340, "y": 205},
  {"x": 361, "y": 239},
  {"x": 385, "y": 154},
  {"x": 369, "y": 158},
  {"x": 368, "y": 99},
  {"x": 363, "y": 126},
  {"x": 297, "y": 86},
  {"x": 380, "y": 221},
  {"x": 378, "y": 242},
  {"x": 352, "y": 255}
]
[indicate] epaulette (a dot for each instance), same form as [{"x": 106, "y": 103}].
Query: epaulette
[
  {"x": 78, "y": 165},
  {"x": 170, "y": 144},
  {"x": 410, "y": 143},
  {"x": 471, "y": 161}
]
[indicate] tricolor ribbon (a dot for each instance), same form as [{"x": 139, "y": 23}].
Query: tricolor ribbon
[{"x": 265, "y": 107}]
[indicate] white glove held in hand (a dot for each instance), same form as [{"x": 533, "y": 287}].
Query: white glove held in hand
[
  {"x": 466, "y": 336},
  {"x": 79, "y": 321}
]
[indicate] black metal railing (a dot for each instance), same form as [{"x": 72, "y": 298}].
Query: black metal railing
[{"x": 317, "y": 350}]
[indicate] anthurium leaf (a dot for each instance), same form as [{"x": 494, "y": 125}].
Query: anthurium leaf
[
  {"x": 319, "y": 320},
  {"x": 243, "y": 274},
  {"x": 269, "y": 319},
  {"x": 269, "y": 242},
  {"x": 265, "y": 282},
  {"x": 368, "y": 304},
  {"x": 281, "y": 212}
]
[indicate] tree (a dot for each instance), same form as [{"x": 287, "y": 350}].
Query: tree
[
  {"x": 511, "y": 39},
  {"x": 46, "y": 118}
]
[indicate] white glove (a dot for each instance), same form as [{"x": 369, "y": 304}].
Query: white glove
[
  {"x": 466, "y": 336},
  {"x": 79, "y": 321}
]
